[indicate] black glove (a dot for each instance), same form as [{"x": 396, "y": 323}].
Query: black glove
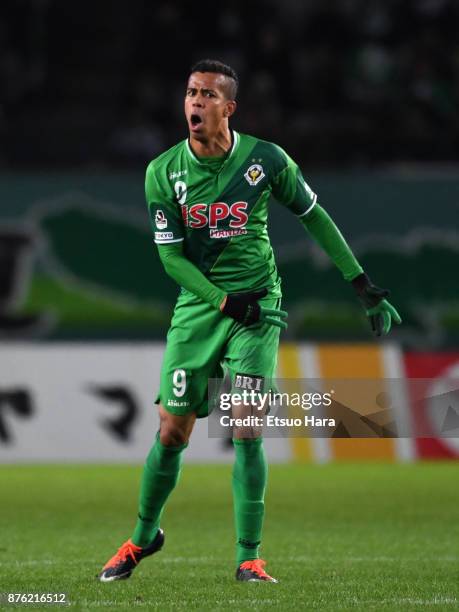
[
  {"x": 244, "y": 308},
  {"x": 378, "y": 309}
]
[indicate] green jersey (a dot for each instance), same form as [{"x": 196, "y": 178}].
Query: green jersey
[{"x": 218, "y": 207}]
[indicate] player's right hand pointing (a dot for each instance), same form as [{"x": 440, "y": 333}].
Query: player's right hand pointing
[{"x": 245, "y": 309}]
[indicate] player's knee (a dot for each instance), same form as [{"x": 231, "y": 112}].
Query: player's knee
[
  {"x": 244, "y": 433},
  {"x": 171, "y": 433},
  {"x": 174, "y": 430},
  {"x": 172, "y": 436}
]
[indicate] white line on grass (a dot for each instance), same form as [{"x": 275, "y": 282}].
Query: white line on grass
[
  {"x": 380, "y": 559},
  {"x": 156, "y": 604},
  {"x": 407, "y": 600},
  {"x": 293, "y": 559},
  {"x": 79, "y": 561},
  {"x": 402, "y": 601}
]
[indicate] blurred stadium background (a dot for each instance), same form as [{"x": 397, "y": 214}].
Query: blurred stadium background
[{"x": 364, "y": 95}]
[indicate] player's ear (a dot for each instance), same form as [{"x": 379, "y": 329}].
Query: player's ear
[{"x": 230, "y": 108}]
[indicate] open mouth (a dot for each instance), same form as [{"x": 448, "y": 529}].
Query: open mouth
[{"x": 195, "y": 120}]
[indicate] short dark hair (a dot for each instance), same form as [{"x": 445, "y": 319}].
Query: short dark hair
[{"x": 208, "y": 65}]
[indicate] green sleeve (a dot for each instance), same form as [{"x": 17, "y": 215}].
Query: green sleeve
[
  {"x": 322, "y": 228},
  {"x": 289, "y": 187},
  {"x": 187, "y": 275},
  {"x": 165, "y": 213}
]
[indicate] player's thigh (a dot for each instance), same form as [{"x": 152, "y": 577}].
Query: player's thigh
[
  {"x": 194, "y": 346},
  {"x": 251, "y": 359},
  {"x": 251, "y": 354}
]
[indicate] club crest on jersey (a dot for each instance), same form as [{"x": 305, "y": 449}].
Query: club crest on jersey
[
  {"x": 160, "y": 220},
  {"x": 254, "y": 174}
]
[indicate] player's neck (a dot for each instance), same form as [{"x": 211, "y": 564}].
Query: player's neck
[{"x": 216, "y": 146}]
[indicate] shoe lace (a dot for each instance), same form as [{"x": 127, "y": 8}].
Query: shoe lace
[
  {"x": 128, "y": 549},
  {"x": 256, "y": 566}
]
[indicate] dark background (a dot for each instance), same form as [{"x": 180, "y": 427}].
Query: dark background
[
  {"x": 363, "y": 94},
  {"x": 99, "y": 84}
]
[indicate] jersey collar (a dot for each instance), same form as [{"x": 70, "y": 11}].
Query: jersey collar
[{"x": 235, "y": 138}]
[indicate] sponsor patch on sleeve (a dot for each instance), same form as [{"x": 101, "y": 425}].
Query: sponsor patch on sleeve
[
  {"x": 160, "y": 220},
  {"x": 164, "y": 236}
]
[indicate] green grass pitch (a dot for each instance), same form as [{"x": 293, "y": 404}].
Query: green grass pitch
[{"x": 338, "y": 537}]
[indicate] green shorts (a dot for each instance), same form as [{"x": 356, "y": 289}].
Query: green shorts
[{"x": 202, "y": 344}]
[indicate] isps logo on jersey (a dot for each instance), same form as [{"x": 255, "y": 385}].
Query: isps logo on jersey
[
  {"x": 223, "y": 220},
  {"x": 160, "y": 220},
  {"x": 254, "y": 174}
]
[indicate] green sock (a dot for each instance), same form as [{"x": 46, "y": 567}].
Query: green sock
[
  {"x": 160, "y": 475},
  {"x": 249, "y": 481}
]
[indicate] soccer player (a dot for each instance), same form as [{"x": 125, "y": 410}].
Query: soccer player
[{"x": 208, "y": 198}]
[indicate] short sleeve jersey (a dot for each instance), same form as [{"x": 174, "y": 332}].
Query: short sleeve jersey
[{"x": 220, "y": 210}]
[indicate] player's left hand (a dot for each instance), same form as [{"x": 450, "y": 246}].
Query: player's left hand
[{"x": 378, "y": 309}]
